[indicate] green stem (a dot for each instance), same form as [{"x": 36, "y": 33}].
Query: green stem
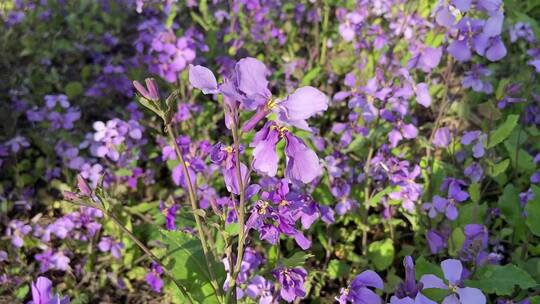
[
  {"x": 364, "y": 208},
  {"x": 148, "y": 252},
  {"x": 444, "y": 104},
  {"x": 326, "y": 17},
  {"x": 193, "y": 200},
  {"x": 241, "y": 212}
]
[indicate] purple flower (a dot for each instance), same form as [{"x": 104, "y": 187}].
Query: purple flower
[
  {"x": 226, "y": 156},
  {"x": 17, "y": 230},
  {"x": 108, "y": 244},
  {"x": 474, "y": 171},
  {"x": 437, "y": 240},
  {"x": 475, "y": 244},
  {"x": 17, "y": 143},
  {"x": 50, "y": 260},
  {"x": 448, "y": 206},
  {"x": 401, "y": 130},
  {"x": 292, "y": 282},
  {"x": 302, "y": 163},
  {"x": 475, "y": 79},
  {"x": 358, "y": 291},
  {"x": 170, "y": 214},
  {"x": 410, "y": 191},
  {"x": 153, "y": 278},
  {"x": 523, "y": 31},
  {"x": 260, "y": 288},
  {"x": 453, "y": 271},
  {"x": 476, "y": 137},
  {"x": 409, "y": 292},
  {"x": 425, "y": 59},
  {"x": 249, "y": 86},
  {"x": 442, "y": 137},
  {"x": 42, "y": 293},
  {"x": 202, "y": 78}
]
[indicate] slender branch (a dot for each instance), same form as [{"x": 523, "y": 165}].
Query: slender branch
[
  {"x": 241, "y": 212},
  {"x": 364, "y": 208},
  {"x": 193, "y": 200},
  {"x": 146, "y": 251},
  {"x": 444, "y": 104}
]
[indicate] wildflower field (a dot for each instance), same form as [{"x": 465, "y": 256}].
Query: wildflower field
[{"x": 270, "y": 151}]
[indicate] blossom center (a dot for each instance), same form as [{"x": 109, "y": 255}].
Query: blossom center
[
  {"x": 262, "y": 207},
  {"x": 271, "y": 104}
]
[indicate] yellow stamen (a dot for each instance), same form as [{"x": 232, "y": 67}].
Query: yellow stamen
[
  {"x": 271, "y": 104},
  {"x": 263, "y": 206}
]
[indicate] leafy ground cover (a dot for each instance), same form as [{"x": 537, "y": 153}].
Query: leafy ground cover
[{"x": 251, "y": 151}]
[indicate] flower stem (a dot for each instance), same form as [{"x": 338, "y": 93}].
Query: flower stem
[
  {"x": 241, "y": 213},
  {"x": 146, "y": 250},
  {"x": 193, "y": 200}
]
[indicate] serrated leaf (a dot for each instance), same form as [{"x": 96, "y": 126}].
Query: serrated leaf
[
  {"x": 424, "y": 267},
  {"x": 502, "y": 280},
  {"x": 381, "y": 253},
  {"x": 189, "y": 266},
  {"x": 503, "y": 131}
]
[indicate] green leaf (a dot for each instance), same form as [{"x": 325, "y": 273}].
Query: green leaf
[
  {"x": 495, "y": 170},
  {"x": 455, "y": 242},
  {"x": 73, "y": 89},
  {"x": 435, "y": 294},
  {"x": 189, "y": 266},
  {"x": 503, "y": 131},
  {"x": 509, "y": 205},
  {"x": 474, "y": 192},
  {"x": 424, "y": 267},
  {"x": 337, "y": 269},
  {"x": 297, "y": 259},
  {"x": 471, "y": 213},
  {"x": 533, "y": 212},
  {"x": 381, "y": 253},
  {"x": 501, "y": 280},
  {"x": 232, "y": 229},
  {"x": 501, "y": 88},
  {"x": 377, "y": 197},
  {"x": 311, "y": 75},
  {"x": 21, "y": 292},
  {"x": 123, "y": 172}
]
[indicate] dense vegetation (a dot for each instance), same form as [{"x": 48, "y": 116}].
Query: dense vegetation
[{"x": 250, "y": 151}]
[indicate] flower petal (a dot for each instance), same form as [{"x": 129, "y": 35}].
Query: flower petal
[
  {"x": 304, "y": 103},
  {"x": 452, "y": 270},
  {"x": 203, "y": 79},
  {"x": 432, "y": 281},
  {"x": 368, "y": 278},
  {"x": 470, "y": 295}
]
